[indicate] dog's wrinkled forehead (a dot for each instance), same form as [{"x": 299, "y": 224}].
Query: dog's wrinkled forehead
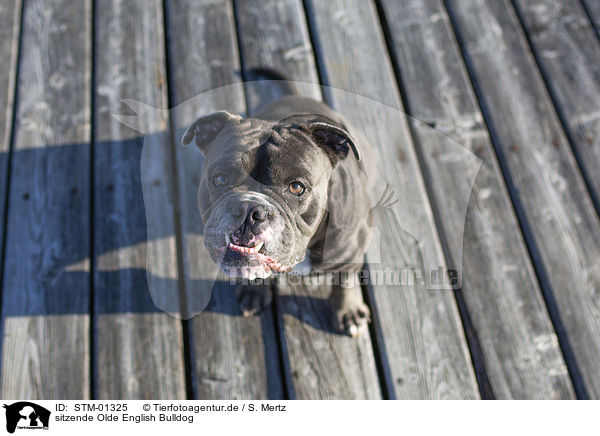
[
  {"x": 294, "y": 134},
  {"x": 269, "y": 152}
]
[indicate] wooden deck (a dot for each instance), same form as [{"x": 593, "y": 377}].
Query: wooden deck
[{"x": 515, "y": 82}]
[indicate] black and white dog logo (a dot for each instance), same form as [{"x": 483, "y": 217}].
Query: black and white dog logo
[{"x": 26, "y": 415}]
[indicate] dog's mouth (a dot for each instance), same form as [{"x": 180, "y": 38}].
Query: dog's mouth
[{"x": 256, "y": 254}]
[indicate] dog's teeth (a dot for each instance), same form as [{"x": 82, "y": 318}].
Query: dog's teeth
[
  {"x": 258, "y": 246},
  {"x": 227, "y": 240}
]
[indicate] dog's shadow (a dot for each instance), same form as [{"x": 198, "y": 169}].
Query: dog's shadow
[{"x": 312, "y": 311}]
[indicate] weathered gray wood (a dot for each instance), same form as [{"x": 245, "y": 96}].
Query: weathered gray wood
[
  {"x": 46, "y": 345},
  {"x": 139, "y": 348},
  {"x": 593, "y": 9},
  {"x": 10, "y": 24},
  {"x": 233, "y": 356},
  {"x": 423, "y": 335},
  {"x": 568, "y": 52},
  {"x": 520, "y": 349},
  {"x": 274, "y": 34},
  {"x": 556, "y": 212},
  {"x": 322, "y": 364}
]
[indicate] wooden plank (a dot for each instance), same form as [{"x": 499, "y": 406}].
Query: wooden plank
[
  {"x": 322, "y": 363},
  {"x": 556, "y": 213},
  {"x": 10, "y": 25},
  {"x": 422, "y": 331},
  {"x": 315, "y": 353},
  {"x": 46, "y": 345},
  {"x": 139, "y": 348},
  {"x": 520, "y": 349},
  {"x": 283, "y": 44},
  {"x": 233, "y": 356},
  {"x": 568, "y": 53}
]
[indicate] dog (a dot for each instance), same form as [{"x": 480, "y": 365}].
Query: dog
[{"x": 291, "y": 180}]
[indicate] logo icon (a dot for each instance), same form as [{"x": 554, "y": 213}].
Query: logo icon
[{"x": 26, "y": 415}]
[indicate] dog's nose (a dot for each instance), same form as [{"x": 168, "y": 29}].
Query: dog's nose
[{"x": 256, "y": 214}]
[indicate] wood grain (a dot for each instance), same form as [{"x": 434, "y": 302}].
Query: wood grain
[
  {"x": 273, "y": 34},
  {"x": 46, "y": 347},
  {"x": 322, "y": 364},
  {"x": 555, "y": 211},
  {"x": 139, "y": 348},
  {"x": 567, "y": 51},
  {"x": 422, "y": 331},
  {"x": 233, "y": 356},
  {"x": 519, "y": 346},
  {"x": 10, "y": 26}
]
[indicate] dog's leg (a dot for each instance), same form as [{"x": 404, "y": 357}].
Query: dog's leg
[
  {"x": 347, "y": 306},
  {"x": 252, "y": 299}
]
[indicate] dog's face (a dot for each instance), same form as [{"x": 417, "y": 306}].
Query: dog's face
[{"x": 263, "y": 189}]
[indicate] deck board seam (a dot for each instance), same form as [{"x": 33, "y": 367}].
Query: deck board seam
[
  {"x": 588, "y": 13},
  {"x": 186, "y": 328},
  {"x": 93, "y": 113},
  {"x": 11, "y": 147}
]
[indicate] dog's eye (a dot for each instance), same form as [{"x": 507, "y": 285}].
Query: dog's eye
[
  {"x": 221, "y": 180},
  {"x": 296, "y": 188}
]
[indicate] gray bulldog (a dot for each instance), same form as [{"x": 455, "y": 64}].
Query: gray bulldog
[{"x": 291, "y": 180}]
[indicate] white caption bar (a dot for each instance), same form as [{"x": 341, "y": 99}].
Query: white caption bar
[{"x": 22, "y": 417}]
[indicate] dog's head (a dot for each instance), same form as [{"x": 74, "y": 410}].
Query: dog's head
[{"x": 264, "y": 186}]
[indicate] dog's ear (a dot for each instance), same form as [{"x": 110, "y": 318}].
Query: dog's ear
[
  {"x": 205, "y": 129},
  {"x": 333, "y": 137}
]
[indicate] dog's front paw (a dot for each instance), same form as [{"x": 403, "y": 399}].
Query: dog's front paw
[
  {"x": 253, "y": 299},
  {"x": 350, "y": 316}
]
